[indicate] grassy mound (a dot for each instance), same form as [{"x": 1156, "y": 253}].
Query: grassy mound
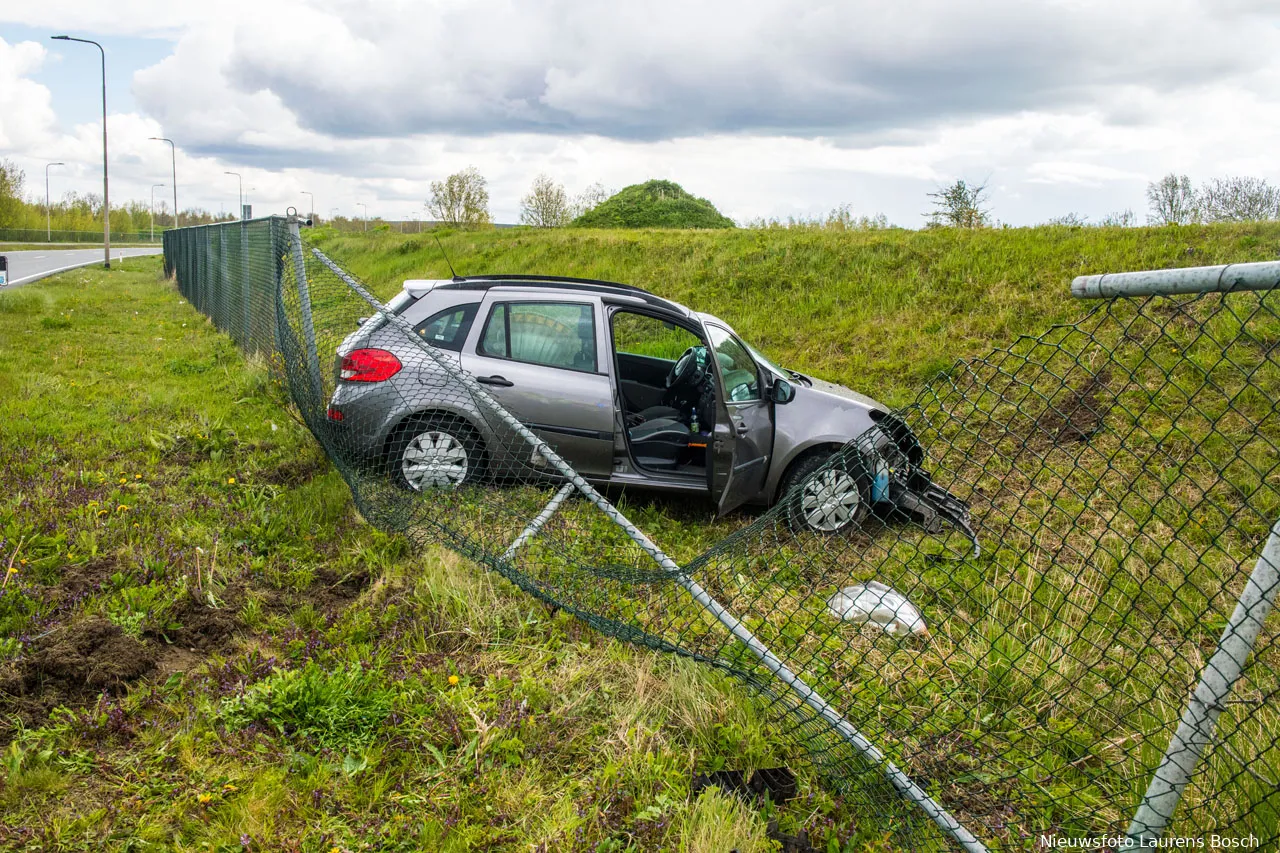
[
  {"x": 881, "y": 311},
  {"x": 654, "y": 204}
]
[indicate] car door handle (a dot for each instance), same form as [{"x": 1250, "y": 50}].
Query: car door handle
[
  {"x": 500, "y": 381},
  {"x": 742, "y": 430}
]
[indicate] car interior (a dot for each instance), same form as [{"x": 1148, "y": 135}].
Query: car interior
[{"x": 668, "y": 392}]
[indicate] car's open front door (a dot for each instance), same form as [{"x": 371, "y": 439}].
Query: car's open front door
[{"x": 742, "y": 441}]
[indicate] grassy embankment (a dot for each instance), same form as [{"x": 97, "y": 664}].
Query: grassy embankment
[{"x": 162, "y": 494}]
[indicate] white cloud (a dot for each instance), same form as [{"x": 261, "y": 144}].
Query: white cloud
[
  {"x": 767, "y": 107},
  {"x": 26, "y": 112}
]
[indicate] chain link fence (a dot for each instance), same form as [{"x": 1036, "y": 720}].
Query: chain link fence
[
  {"x": 40, "y": 235},
  {"x": 1042, "y": 616}
]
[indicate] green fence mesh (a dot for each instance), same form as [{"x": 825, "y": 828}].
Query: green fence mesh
[{"x": 981, "y": 618}]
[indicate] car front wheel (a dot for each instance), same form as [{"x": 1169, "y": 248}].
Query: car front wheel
[
  {"x": 826, "y": 498},
  {"x": 440, "y": 453}
]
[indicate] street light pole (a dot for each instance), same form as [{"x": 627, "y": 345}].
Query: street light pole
[
  {"x": 48, "y": 209},
  {"x": 173, "y": 156},
  {"x": 153, "y": 211},
  {"x": 241, "y": 184},
  {"x": 312, "y": 212},
  {"x": 106, "y": 198},
  {"x": 366, "y": 213}
]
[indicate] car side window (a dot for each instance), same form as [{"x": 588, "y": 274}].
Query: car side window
[
  {"x": 448, "y": 329},
  {"x": 555, "y": 334},
  {"x": 737, "y": 367}
]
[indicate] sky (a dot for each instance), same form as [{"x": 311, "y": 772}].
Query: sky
[{"x": 769, "y": 108}]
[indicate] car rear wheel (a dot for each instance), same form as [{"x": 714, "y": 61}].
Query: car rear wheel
[
  {"x": 437, "y": 453},
  {"x": 827, "y": 499}
]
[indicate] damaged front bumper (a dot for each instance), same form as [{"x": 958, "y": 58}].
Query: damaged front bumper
[{"x": 931, "y": 506}]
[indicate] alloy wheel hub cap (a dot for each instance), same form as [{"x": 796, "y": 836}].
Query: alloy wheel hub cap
[
  {"x": 830, "y": 501},
  {"x": 434, "y": 460}
]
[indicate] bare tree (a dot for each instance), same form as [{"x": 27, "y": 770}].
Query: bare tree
[
  {"x": 589, "y": 199},
  {"x": 546, "y": 205},
  {"x": 1240, "y": 199},
  {"x": 1069, "y": 220},
  {"x": 1171, "y": 201},
  {"x": 960, "y": 206},
  {"x": 460, "y": 199},
  {"x": 1118, "y": 219}
]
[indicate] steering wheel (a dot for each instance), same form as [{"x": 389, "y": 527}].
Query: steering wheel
[{"x": 689, "y": 370}]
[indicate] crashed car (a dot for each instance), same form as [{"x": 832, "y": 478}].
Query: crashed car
[{"x": 631, "y": 389}]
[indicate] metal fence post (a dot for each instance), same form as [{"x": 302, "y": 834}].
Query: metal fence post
[
  {"x": 1216, "y": 682},
  {"x": 304, "y": 298}
]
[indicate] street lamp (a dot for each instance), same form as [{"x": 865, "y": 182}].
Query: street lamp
[
  {"x": 48, "y": 209},
  {"x": 241, "y": 184},
  {"x": 106, "y": 199},
  {"x": 366, "y": 214},
  {"x": 312, "y": 212},
  {"x": 153, "y": 211},
  {"x": 173, "y": 156}
]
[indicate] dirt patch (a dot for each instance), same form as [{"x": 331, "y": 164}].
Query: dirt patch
[
  {"x": 201, "y": 627},
  {"x": 1080, "y": 411},
  {"x": 295, "y": 472},
  {"x": 77, "y": 583},
  {"x": 72, "y": 665},
  {"x": 972, "y": 787},
  {"x": 331, "y": 593}
]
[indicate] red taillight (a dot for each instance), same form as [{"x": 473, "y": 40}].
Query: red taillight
[
  {"x": 369, "y": 365},
  {"x": 334, "y": 414}
]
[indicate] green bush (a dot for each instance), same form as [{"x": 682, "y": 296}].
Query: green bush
[{"x": 654, "y": 204}]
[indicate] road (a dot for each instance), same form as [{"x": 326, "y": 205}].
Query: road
[{"x": 26, "y": 267}]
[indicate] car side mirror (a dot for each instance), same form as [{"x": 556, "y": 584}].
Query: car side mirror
[{"x": 782, "y": 391}]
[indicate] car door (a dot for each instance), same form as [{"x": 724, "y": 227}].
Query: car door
[
  {"x": 742, "y": 441},
  {"x": 539, "y": 356}
]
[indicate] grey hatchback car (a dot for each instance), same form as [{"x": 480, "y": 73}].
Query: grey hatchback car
[{"x": 631, "y": 389}]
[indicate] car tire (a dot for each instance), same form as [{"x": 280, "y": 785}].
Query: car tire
[
  {"x": 441, "y": 452},
  {"x": 826, "y": 499}
]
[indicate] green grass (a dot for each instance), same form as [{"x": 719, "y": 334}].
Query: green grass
[{"x": 279, "y": 671}]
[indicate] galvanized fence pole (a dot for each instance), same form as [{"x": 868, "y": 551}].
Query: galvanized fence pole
[
  {"x": 1200, "y": 719},
  {"x": 1219, "y": 676},
  {"x": 304, "y": 299}
]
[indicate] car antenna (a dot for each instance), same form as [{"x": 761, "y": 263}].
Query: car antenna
[{"x": 456, "y": 277}]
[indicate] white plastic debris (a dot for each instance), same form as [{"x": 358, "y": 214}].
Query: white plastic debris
[{"x": 880, "y": 605}]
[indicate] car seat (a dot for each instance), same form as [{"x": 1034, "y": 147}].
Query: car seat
[{"x": 659, "y": 443}]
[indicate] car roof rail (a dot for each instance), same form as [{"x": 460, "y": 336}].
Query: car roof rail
[{"x": 484, "y": 282}]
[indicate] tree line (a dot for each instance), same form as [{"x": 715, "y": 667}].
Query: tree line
[{"x": 83, "y": 211}]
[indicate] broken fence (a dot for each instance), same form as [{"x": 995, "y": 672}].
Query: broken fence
[{"x": 1103, "y": 666}]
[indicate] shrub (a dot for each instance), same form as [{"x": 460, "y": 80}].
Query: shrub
[{"x": 655, "y": 204}]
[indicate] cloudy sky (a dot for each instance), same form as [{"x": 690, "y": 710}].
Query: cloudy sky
[{"x": 766, "y": 107}]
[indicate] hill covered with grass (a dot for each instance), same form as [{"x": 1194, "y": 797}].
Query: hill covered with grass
[
  {"x": 882, "y": 311},
  {"x": 654, "y": 204}
]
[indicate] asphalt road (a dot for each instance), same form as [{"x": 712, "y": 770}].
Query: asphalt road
[{"x": 26, "y": 267}]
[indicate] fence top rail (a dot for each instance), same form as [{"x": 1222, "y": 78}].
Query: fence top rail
[
  {"x": 225, "y": 224},
  {"x": 1224, "y": 278}
]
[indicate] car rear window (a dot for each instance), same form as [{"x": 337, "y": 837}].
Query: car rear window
[{"x": 448, "y": 329}]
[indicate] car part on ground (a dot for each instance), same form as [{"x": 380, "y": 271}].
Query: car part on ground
[{"x": 876, "y": 604}]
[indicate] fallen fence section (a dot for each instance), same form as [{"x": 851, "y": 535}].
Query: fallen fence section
[{"x": 1121, "y": 475}]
